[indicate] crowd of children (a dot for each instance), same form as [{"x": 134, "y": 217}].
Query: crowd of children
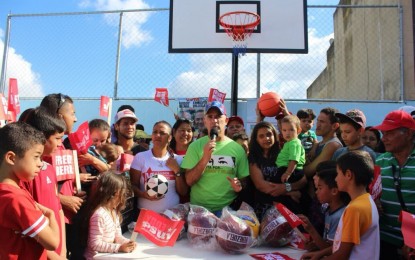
[{"x": 325, "y": 181}]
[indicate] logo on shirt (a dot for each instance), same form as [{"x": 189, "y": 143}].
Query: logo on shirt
[{"x": 48, "y": 181}]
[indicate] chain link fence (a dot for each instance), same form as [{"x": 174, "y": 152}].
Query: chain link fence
[{"x": 354, "y": 54}]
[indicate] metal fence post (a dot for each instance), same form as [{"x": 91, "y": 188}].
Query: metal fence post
[
  {"x": 117, "y": 62},
  {"x": 5, "y": 52}
]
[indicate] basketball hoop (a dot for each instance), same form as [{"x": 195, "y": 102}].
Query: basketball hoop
[{"x": 239, "y": 25}]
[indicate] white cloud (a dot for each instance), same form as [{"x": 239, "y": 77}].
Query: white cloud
[
  {"x": 133, "y": 35},
  {"x": 28, "y": 80},
  {"x": 287, "y": 74}
]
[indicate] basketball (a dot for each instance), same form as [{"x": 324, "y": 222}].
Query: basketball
[
  {"x": 269, "y": 104},
  {"x": 157, "y": 185}
]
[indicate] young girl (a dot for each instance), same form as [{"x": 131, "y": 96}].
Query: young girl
[{"x": 103, "y": 217}]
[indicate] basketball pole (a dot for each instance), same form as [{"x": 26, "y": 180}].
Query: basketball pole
[{"x": 234, "y": 90}]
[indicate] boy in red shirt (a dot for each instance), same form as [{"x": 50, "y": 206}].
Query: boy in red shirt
[
  {"x": 27, "y": 228},
  {"x": 43, "y": 188}
]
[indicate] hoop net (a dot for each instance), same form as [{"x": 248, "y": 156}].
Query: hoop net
[{"x": 239, "y": 25}]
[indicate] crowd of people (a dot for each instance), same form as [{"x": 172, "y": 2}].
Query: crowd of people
[{"x": 322, "y": 175}]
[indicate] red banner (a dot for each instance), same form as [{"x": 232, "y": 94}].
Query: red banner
[
  {"x": 162, "y": 96},
  {"x": 408, "y": 228},
  {"x": 3, "y": 107},
  {"x": 104, "y": 106},
  {"x": 80, "y": 140},
  {"x": 375, "y": 187},
  {"x": 63, "y": 162},
  {"x": 125, "y": 162},
  {"x": 11, "y": 116},
  {"x": 291, "y": 218},
  {"x": 14, "y": 103},
  {"x": 160, "y": 230},
  {"x": 216, "y": 95}
]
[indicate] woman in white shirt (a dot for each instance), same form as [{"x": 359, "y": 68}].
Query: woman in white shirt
[{"x": 162, "y": 161}]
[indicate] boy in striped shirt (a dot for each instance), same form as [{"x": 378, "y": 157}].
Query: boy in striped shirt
[{"x": 27, "y": 228}]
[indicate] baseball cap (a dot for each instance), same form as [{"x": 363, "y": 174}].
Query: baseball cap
[
  {"x": 354, "y": 116},
  {"x": 396, "y": 119},
  {"x": 235, "y": 118},
  {"x": 126, "y": 113},
  {"x": 408, "y": 109},
  {"x": 216, "y": 104},
  {"x": 140, "y": 134}
]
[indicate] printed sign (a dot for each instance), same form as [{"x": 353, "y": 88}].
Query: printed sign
[
  {"x": 291, "y": 218},
  {"x": 14, "y": 103},
  {"x": 158, "y": 229},
  {"x": 125, "y": 162},
  {"x": 216, "y": 95},
  {"x": 408, "y": 228},
  {"x": 162, "y": 96},
  {"x": 271, "y": 256},
  {"x": 63, "y": 162},
  {"x": 375, "y": 187},
  {"x": 80, "y": 140},
  {"x": 104, "y": 106}
]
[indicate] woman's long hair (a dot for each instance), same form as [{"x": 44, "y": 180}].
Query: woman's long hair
[
  {"x": 176, "y": 126},
  {"x": 255, "y": 150},
  {"x": 108, "y": 184}
]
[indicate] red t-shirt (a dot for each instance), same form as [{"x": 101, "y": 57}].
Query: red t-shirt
[
  {"x": 21, "y": 221},
  {"x": 43, "y": 189},
  {"x": 65, "y": 188}
]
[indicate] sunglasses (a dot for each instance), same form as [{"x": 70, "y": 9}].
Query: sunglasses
[{"x": 61, "y": 101}]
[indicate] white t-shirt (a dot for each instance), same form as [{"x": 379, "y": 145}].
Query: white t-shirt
[
  {"x": 148, "y": 165},
  {"x": 359, "y": 225}
]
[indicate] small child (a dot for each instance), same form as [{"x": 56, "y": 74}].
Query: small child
[
  {"x": 107, "y": 153},
  {"x": 103, "y": 217},
  {"x": 291, "y": 158},
  {"x": 307, "y": 136},
  {"x": 327, "y": 193},
  {"x": 26, "y": 228},
  {"x": 357, "y": 235}
]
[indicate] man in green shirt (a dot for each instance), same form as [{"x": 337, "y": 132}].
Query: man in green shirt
[
  {"x": 216, "y": 166},
  {"x": 398, "y": 174}
]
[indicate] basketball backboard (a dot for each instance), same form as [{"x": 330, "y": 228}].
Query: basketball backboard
[{"x": 194, "y": 26}]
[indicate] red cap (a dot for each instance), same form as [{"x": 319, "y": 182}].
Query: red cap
[
  {"x": 396, "y": 119},
  {"x": 235, "y": 118}
]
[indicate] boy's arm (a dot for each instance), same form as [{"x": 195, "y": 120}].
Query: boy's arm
[
  {"x": 325, "y": 155},
  {"x": 63, "y": 238},
  {"x": 317, "y": 239},
  {"x": 343, "y": 252},
  {"x": 48, "y": 237},
  {"x": 290, "y": 169}
]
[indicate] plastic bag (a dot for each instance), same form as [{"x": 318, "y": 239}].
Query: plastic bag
[
  {"x": 179, "y": 212},
  {"x": 275, "y": 230}
]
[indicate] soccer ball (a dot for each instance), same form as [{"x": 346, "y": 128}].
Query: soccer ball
[{"x": 157, "y": 185}]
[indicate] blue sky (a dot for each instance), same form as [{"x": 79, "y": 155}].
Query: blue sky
[{"x": 28, "y": 57}]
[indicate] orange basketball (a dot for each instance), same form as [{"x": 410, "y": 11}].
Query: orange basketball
[{"x": 269, "y": 104}]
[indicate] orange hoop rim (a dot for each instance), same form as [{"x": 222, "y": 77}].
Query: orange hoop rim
[{"x": 248, "y": 25}]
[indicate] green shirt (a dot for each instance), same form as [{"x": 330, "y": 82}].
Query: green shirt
[
  {"x": 213, "y": 190},
  {"x": 291, "y": 151},
  {"x": 390, "y": 228}
]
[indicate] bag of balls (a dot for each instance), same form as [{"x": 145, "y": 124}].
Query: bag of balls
[
  {"x": 275, "y": 230},
  {"x": 234, "y": 234},
  {"x": 201, "y": 227},
  {"x": 178, "y": 212}
]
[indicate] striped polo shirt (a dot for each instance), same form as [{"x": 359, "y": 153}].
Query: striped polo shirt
[{"x": 390, "y": 228}]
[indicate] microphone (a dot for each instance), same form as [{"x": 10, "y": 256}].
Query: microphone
[{"x": 213, "y": 133}]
